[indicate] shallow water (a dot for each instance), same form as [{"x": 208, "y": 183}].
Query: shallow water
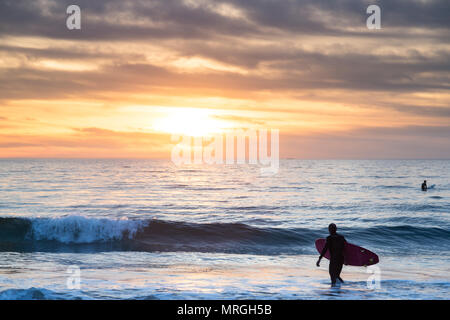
[{"x": 146, "y": 229}]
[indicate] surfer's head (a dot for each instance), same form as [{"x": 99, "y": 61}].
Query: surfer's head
[{"x": 332, "y": 228}]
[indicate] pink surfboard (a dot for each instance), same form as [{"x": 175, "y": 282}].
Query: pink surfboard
[{"x": 353, "y": 255}]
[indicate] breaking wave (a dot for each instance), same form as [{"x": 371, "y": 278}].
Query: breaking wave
[{"x": 100, "y": 234}]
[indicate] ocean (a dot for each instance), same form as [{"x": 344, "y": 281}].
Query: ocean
[{"x": 147, "y": 229}]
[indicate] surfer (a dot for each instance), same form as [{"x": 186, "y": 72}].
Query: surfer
[
  {"x": 335, "y": 243},
  {"x": 424, "y": 185}
]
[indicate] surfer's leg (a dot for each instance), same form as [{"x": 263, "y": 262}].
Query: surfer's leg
[
  {"x": 333, "y": 280},
  {"x": 333, "y": 273},
  {"x": 338, "y": 271},
  {"x": 335, "y": 270}
]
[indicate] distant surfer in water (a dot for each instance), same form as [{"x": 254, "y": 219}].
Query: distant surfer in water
[
  {"x": 335, "y": 243},
  {"x": 424, "y": 185}
]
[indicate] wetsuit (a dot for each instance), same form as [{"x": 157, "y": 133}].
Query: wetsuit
[
  {"x": 335, "y": 243},
  {"x": 424, "y": 187}
]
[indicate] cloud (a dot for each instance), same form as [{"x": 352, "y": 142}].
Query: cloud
[
  {"x": 15, "y": 145},
  {"x": 303, "y": 57},
  {"x": 441, "y": 112},
  {"x": 118, "y": 19},
  {"x": 346, "y": 72},
  {"x": 410, "y": 142},
  {"x": 87, "y": 143},
  {"x": 257, "y": 40},
  {"x": 240, "y": 119}
]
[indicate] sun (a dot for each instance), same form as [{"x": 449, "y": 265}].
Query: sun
[{"x": 194, "y": 122}]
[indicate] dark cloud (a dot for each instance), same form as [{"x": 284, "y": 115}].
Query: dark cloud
[
  {"x": 426, "y": 14},
  {"x": 307, "y": 71},
  {"x": 68, "y": 53},
  {"x": 163, "y": 19},
  {"x": 117, "y": 20},
  {"x": 200, "y": 31},
  {"x": 440, "y": 112}
]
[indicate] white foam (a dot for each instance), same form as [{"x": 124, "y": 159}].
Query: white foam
[{"x": 79, "y": 229}]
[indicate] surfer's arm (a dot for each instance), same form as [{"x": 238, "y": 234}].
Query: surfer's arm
[{"x": 324, "y": 250}]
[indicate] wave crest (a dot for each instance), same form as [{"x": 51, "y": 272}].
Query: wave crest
[
  {"x": 78, "y": 229},
  {"x": 102, "y": 234}
]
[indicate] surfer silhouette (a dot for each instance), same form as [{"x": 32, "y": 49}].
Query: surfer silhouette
[
  {"x": 424, "y": 185},
  {"x": 335, "y": 243}
]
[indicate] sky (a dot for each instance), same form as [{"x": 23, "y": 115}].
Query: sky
[{"x": 139, "y": 71}]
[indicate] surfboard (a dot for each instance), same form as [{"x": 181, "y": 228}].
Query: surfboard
[{"x": 353, "y": 255}]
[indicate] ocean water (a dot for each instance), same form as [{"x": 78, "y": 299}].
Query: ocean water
[{"x": 147, "y": 229}]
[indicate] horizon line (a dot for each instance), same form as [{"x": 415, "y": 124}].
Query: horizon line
[{"x": 168, "y": 159}]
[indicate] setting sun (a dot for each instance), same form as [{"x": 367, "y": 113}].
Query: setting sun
[{"x": 190, "y": 121}]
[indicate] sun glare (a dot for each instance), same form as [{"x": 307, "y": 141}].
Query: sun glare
[{"x": 191, "y": 122}]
